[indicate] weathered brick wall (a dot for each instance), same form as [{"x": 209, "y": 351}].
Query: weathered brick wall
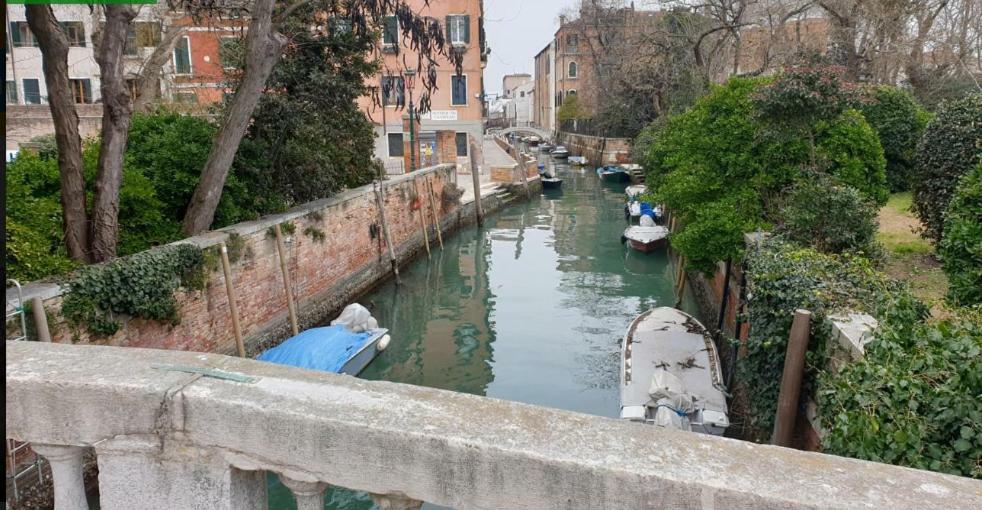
[
  {"x": 325, "y": 275},
  {"x": 597, "y": 150}
]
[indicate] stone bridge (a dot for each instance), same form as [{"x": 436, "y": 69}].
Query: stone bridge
[
  {"x": 541, "y": 133},
  {"x": 182, "y": 430}
]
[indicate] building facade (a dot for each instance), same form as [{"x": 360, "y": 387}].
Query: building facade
[
  {"x": 520, "y": 107},
  {"x": 457, "y": 104},
  {"x": 544, "y": 90},
  {"x": 510, "y": 81}
]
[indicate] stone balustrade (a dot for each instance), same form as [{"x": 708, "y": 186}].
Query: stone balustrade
[{"x": 175, "y": 430}]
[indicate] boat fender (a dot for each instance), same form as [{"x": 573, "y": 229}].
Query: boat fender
[{"x": 383, "y": 342}]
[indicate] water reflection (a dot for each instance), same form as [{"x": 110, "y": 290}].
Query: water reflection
[{"x": 530, "y": 308}]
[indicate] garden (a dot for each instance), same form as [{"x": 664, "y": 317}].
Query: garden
[{"x": 873, "y": 204}]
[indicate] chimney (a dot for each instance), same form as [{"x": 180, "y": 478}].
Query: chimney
[{"x": 562, "y": 20}]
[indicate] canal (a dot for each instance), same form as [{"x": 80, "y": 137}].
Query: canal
[{"x": 532, "y": 307}]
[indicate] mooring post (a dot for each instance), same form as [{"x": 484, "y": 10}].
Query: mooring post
[
  {"x": 436, "y": 217},
  {"x": 291, "y": 308},
  {"x": 232, "y": 306},
  {"x": 521, "y": 168},
  {"x": 794, "y": 364},
  {"x": 680, "y": 282},
  {"x": 477, "y": 182},
  {"x": 385, "y": 233},
  {"x": 422, "y": 218},
  {"x": 40, "y": 320}
]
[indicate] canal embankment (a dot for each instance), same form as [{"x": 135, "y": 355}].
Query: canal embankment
[{"x": 334, "y": 250}]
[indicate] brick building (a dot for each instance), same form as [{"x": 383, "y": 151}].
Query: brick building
[{"x": 456, "y": 105}]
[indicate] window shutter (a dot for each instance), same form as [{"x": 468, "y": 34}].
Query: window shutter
[
  {"x": 87, "y": 91},
  {"x": 449, "y": 28},
  {"x": 467, "y": 29},
  {"x": 15, "y": 33}
]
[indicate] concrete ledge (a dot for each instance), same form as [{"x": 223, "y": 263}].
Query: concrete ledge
[{"x": 442, "y": 447}]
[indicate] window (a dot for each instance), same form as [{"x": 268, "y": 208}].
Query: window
[
  {"x": 572, "y": 43},
  {"x": 230, "y": 52},
  {"x": 22, "y": 35},
  {"x": 393, "y": 91},
  {"x": 458, "y": 86},
  {"x": 186, "y": 97},
  {"x": 459, "y": 28},
  {"x": 521, "y": 94},
  {"x": 395, "y": 145},
  {"x": 81, "y": 90},
  {"x": 572, "y": 70},
  {"x": 11, "y": 92},
  {"x": 182, "y": 56},
  {"x": 142, "y": 34},
  {"x": 548, "y": 66},
  {"x": 32, "y": 91},
  {"x": 75, "y": 32},
  {"x": 571, "y": 92},
  {"x": 461, "y": 140},
  {"x": 390, "y": 31}
]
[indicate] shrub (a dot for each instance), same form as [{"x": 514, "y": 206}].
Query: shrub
[
  {"x": 848, "y": 149},
  {"x": 961, "y": 247},
  {"x": 782, "y": 277},
  {"x": 570, "y": 110},
  {"x": 830, "y": 217},
  {"x": 913, "y": 398},
  {"x": 898, "y": 121},
  {"x": 950, "y": 147}
]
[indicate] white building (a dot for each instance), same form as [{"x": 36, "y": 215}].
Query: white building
[{"x": 520, "y": 109}]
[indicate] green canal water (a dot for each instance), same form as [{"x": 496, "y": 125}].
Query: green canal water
[{"x": 532, "y": 308}]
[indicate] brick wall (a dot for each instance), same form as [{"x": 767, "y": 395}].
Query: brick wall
[
  {"x": 598, "y": 151},
  {"x": 326, "y": 275}
]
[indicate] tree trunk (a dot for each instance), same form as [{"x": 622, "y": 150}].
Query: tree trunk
[
  {"x": 263, "y": 46},
  {"x": 116, "y": 112},
  {"x": 148, "y": 84},
  {"x": 54, "y": 62}
]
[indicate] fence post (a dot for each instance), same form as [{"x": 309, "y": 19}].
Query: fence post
[{"x": 794, "y": 364}]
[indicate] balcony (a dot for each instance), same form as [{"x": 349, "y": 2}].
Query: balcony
[{"x": 174, "y": 430}]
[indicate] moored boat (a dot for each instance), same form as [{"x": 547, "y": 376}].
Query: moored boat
[
  {"x": 546, "y": 147},
  {"x": 670, "y": 374},
  {"x": 560, "y": 152},
  {"x": 578, "y": 160},
  {"x": 645, "y": 238},
  {"x": 347, "y": 346},
  {"x": 611, "y": 173},
  {"x": 634, "y": 191},
  {"x": 551, "y": 182}
]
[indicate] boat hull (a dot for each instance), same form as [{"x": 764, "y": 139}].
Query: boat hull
[
  {"x": 614, "y": 177},
  {"x": 560, "y": 155},
  {"x": 552, "y": 183},
  {"x": 366, "y": 355},
  {"x": 646, "y": 247}
]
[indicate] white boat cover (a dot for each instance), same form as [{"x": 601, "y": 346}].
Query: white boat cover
[
  {"x": 646, "y": 234},
  {"x": 635, "y": 190}
]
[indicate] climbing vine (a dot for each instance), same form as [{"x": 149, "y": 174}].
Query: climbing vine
[{"x": 141, "y": 285}]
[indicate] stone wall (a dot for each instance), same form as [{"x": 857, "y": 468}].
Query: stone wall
[
  {"x": 326, "y": 275},
  {"x": 597, "y": 150},
  {"x": 28, "y": 121}
]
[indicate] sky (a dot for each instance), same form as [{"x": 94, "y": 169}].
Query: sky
[{"x": 517, "y": 30}]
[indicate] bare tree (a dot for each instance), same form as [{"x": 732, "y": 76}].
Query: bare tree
[{"x": 54, "y": 60}]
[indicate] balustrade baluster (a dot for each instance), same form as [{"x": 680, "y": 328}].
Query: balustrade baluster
[
  {"x": 396, "y": 502},
  {"x": 66, "y": 474},
  {"x": 309, "y": 495}
]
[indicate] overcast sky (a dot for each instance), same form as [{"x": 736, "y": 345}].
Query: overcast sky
[{"x": 517, "y": 30}]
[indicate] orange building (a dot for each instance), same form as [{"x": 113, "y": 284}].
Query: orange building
[{"x": 456, "y": 104}]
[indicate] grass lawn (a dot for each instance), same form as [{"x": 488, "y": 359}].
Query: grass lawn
[{"x": 909, "y": 256}]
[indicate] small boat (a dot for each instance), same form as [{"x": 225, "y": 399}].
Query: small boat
[
  {"x": 577, "y": 160},
  {"x": 635, "y": 209},
  {"x": 551, "y": 182},
  {"x": 347, "y": 346},
  {"x": 534, "y": 141},
  {"x": 560, "y": 152},
  {"x": 635, "y": 171},
  {"x": 670, "y": 374},
  {"x": 634, "y": 190},
  {"x": 546, "y": 147},
  {"x": 645, "y": 238},
  {"x": 612, "y": 173}
]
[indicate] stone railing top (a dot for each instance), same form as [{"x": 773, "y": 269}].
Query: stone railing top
[
  {"x": 48, "y": 289},
  {"x": 438, "y": 446}
]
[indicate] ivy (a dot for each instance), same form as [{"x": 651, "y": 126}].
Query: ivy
[
  {"x": 913, "y": 398},
  {"x": 782, "y": 277},
  {"x": 141, "y": 285}
]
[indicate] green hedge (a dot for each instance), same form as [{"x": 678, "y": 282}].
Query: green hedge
[
  {"x": 899, "y": 122},
  {"x": 950, "y": 147},
  {"x": 961, "y": 247}
]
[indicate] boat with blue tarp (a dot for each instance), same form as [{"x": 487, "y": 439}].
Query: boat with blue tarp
[{"x": 347, "y": 346}]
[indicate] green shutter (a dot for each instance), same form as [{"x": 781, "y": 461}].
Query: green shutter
[
  {"x": 447, "y": 26},
  {"x": 467, "y": 29}
]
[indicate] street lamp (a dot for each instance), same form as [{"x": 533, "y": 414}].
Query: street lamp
[{"x": 409, "y": 77}]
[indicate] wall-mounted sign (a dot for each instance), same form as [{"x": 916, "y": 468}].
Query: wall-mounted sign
[{"x": 439, "y": 115}]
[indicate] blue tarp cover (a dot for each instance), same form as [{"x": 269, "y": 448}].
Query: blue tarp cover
[
  {"x": 647, "y": 210},
  {"x": 326, "y": 349}
]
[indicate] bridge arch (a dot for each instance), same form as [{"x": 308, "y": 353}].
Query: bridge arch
[{"x": 541, "y": 133}]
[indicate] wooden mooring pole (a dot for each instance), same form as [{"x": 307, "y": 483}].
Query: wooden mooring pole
[
  {"x": 436, "y": 217},
  {"x": 680, "y": 282},
  {"x": 40, "y": 320},
  {"x": 385, "y": 233},
  {"x": 291, "y": 307},
  {"x": 232, "y": 306},
  {"x": 794, "y": 365},
  {"x": 422, "y": 218},
  {"x": 477, "y": 182}
]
